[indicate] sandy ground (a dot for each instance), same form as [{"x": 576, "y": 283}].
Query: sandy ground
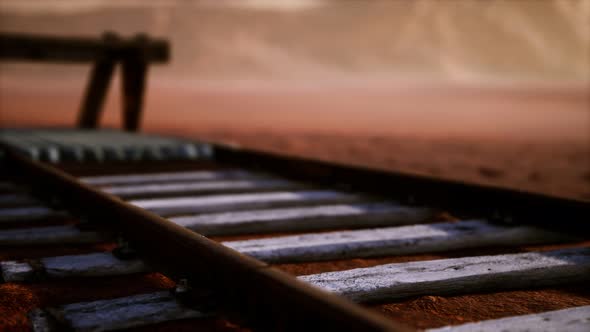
[
  {"x": 534, "y": 139},
  {"x": 554, "y": 168},
  {"x": 437, "y": 88},
  {"x": 316, "y": 82}
]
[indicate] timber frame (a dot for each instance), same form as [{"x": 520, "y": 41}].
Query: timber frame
[{"x": 134, "y": 54}]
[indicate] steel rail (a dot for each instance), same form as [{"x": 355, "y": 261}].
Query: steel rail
[{"x": 246, "y": 289}]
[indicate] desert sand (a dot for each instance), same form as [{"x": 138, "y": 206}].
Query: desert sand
[
  {"x": 494, "y": 92},
  {"x": 533, "y": 139},
  {"x": 466, "y": 41}
]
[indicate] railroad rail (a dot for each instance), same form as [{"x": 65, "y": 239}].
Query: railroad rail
[{"x": 104, "y": 230}]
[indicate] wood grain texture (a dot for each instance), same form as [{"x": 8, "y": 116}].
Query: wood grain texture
[
  {"x": 304, "y": 218},
  {"x": 217, "y": 203},
  {"x": 114, "y": 314},
  {"x": 14, "y": 271},
  {"x": 46, "y": 48},
  {"x": 96, "y": 264},
  {"x": 458, "y": 275},
  {"x": 200, "y": 187},
  {"x": 89, "y": 265},
  {"x": 390, "y": 241},
  {"x": 567, "y": 320},
  {"x": 310, "y": 247},
  {"x": 28, "y": 213},
  {"x": 129, "y": 179},
  {"x": 47, "y": 235}
]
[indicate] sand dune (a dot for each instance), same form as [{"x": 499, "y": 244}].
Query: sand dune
[
  {"x": 467, "y": 41},
  {"x": 488, "y": 91}
]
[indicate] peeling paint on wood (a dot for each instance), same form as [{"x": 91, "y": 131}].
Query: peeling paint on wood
[
  {"x": 28, "y": 213},
  {"x": 217, "y": 203},
  {"x": 129, "y": 179},
  {"x": 96, "y": 264},
  {"x": 458, "y": 275},
  {"x": 89, "y": 265},
  {"x": 47, "y": 235},
  {"x": 566, "y": 320},
  {"x": 201, "y": 187},
  {"x": 390, "y": 241},
  {"x": 305, "y": 218},
  {"x": 113, "y": 314},
  {"x": 14, "y": 271}
]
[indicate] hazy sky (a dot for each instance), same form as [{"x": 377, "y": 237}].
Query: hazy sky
[{"x": 461, "y": 41}]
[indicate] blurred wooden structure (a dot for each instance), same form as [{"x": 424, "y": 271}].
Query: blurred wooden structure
[{"x": 134, "y": 54}]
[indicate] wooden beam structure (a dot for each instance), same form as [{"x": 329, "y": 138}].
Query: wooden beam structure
[
  {"x": 134, "y": 54},
  {"x": 37, "y": 48}
]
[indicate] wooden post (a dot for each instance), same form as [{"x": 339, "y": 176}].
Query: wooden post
[
  {"x": 134, "y": 69},
  {"x": 105, "y": 53},
  {"x": 98, "y": 84}
]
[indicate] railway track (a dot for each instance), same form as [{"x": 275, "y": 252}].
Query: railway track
[{"x": 101, "y": 230}]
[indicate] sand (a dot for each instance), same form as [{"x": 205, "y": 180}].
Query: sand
[
  {"x": 531, "y": 138},
  {"x": 494, "y": 92},
  {"x": 467, "y": 41},
  {"x": 553, "y": 168}
]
